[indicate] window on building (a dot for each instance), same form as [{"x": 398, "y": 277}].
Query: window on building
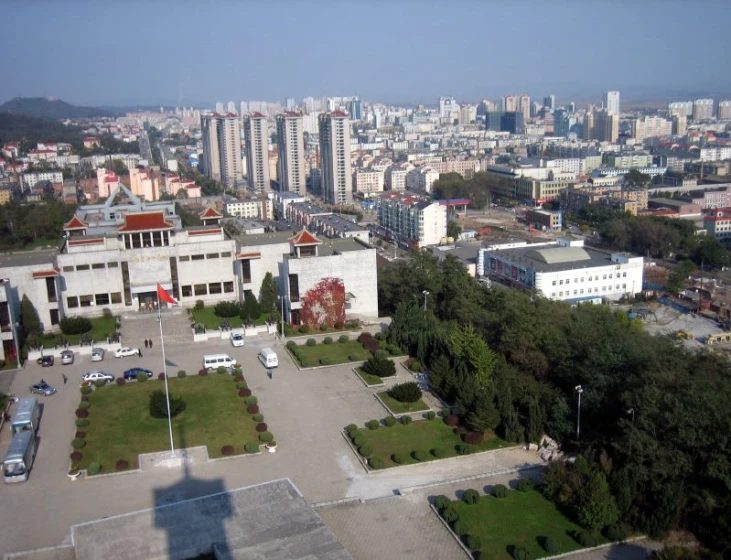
[
  {"x": 116, "y": 297},
  {"x": 212, "y": 256},
  {"x": 200, "y": 289},
  {"x": 610, "y": 276},
  {"x": 197, "y": 257},
  {"x": 86, "y": 301},
  {"x": 582, "y": 279},
  {"x": 560, "y": 282},
  {"x": 228, "y": 287},
  {"x": 553, "y": 283},
  {"x": 575, "y": 292},
  {"x": 54, "y": 316},
  {"x": 72, "y": 301},
  {"x": 604, "y": 277},
  {"x": 51, "y": 289},
  {"x": 624, "y": 275},
  {"x": 82, "y": 267},
  {"x": 246, "y": 271},
  {"x": 226, "y": 254},
  {"x": 214, "y": 288},
  {"x": 102, "y": 299},
  {"x": 581, "y": 292},
  {"x": 113, "y": 264},
  {"x": 68, "y": 268},
  {"x": 97, "y": 266},
  {"x": 184, "y": 258},
  {"x": 187, "y": 291}
]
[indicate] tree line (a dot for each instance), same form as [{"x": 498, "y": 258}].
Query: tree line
[
  {"x": 453, "y": 185},
  {"x": 21, "y": 224},
  {"x": 655, "y": 417}
]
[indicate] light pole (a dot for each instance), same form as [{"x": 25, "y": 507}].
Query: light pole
[
  {"x": 578, "y": 390},
  {"x": 426, "y": 295},
  {"x": 632, "y": 412}
]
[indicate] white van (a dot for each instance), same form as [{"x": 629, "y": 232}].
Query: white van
[
  {"x": 268, "y": 357},
  {"x": 211, "y": 362}
]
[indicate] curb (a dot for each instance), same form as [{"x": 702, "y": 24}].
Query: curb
[
  {"x": 399, "y": 415},
  {"x": 361, "y": 459},
  {"x": 355, "y": 370},
  {"x": 336, "y": 502},
  {"x": 407, "y": 489},
  {"x": 466, "y": 550},
  {"x": 34, "y": 551},
  {"x": 600, "y": 547}
]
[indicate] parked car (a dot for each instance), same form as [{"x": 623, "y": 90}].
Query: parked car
[
  {"x": 237, "y": 339},
  {"x": 97, "y": 354},
  {"x": 45, "y": 361},
  {"x": 126, "y": 351},
  {"x": 132, "y": 373},
  {"x": 42, "y": 388},
  {"x": 67, "y": 357},
  {"x": 97, "y": 375}
]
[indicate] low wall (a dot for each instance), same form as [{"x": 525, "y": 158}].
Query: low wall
[
  {"x": 213, "y": 334},
  {"x": 85, "y": 350}
]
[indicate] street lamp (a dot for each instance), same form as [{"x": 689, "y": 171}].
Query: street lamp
[
  {"x": 426, "y": 294},
  {"x": 578, "y": 390},
  {"x": 632, "y": 412}
]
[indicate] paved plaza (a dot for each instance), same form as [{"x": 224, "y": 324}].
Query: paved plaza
[{"x": 306, "y": 411}]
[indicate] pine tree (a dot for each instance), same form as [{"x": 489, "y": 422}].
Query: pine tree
[{"x": 268, "y": 294}]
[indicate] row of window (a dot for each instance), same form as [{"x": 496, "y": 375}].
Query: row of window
[
  {"x": 589, "y": 290},
  {"x": 93, "y": 266},
  {"x": 200, "y": 256},
  {"x": 207, "y": 289},
  {"x": 93, "y": 299},
  {"x": 589, "y": 279}
]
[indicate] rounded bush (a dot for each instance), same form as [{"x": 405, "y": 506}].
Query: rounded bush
[
  {"x": 122, "y": 465},
  {"x": 323, "y": 328},
  {"x": 182, "y": 374},
  {"x": 615, "y": 533},
  {"x": 311, "y": 342},
  {"x": 586, "y": 538},
  {"x": 471, "y": 496},
  {"x": 247, "y": 392},
  {"x": 406, "y": 420},
  {"x": 75, "y": 325},
  {"x": 76, "y": 456},
  {"x": 525, "y": 485},
  {"x": 520, "y": 553},
  {"x": 326, "y": 361},
  {"x": 400, "y": 458},
  {"x": 365, "y": 450},
  {"x": 251, "y": 448},
  {"x": 441, "y": 501},
  {"x": 94, "y": 468},
  {"x": 78, "y": 443},
  {"x": 459, "y": 527},
  {"x": 251, "y": 400},
  {"x": 373, "y": 424},
  {"x": 449, "y": 514},
  {"x": 227, "y": 450},
  {"x": 389, "y": 421},
  {"x": 339, "y": 325},
  {"x": 238, "y": 377},
  {"x": 82, "y": 413},
  {"x": 415, "y": 366},
  {"x": 242, "y": 385},
  {"x": 258, "y": 417},
  {"x": 261, "y": 427},
  {"x": 327, "y": 340},
  {"x": 120, "y": 381},
  {"x": 142, "y": 377},
  {"x": 438, "y": 452},
  {"x": 252, "y": 409},
  {"x": 500, "y": 491},
  {"x": 473, "y": 542},
  {"x": 81, "y": 422},
  {"x": 380, "y": 354},
  {"x": 99, "y": 383},
  {"x": 80, "y": 435},
  {"x": 291, "y": 344},
  {"x": 431, "y": 415},
  {"x": 351, "y": 428},
  {"x": 202, "y": 372},
  {"x": 353, "y": 357},
  {"x": 84, "y": 404},
  {"x": 266, "y": 437},
  {"x": 376, "y": 462},
  {"x": 221, "y": 370},
  {"x": 242, "y": 393},
  {"x": 421, "y": 456},
  {"x": 343, "y": 338},
  {"x": 85, "y": 398},
  {"x": 358, "y": 440},
  {"x": 473, "y": 438},
  {"x": 451, "y": 420},
  {"x": 86, "y": 389},
  {"x": 549, "y": 545}
]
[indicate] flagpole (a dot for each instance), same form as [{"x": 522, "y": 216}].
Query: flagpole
[{"x": 165, "y": 374}]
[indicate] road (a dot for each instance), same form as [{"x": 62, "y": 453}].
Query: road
[{"x": 145, "y": 149}]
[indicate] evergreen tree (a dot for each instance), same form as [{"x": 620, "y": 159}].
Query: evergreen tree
[
  {"x": 250, "y": 310},
  {"x": 268, "y": 294},
  {"x": 597, "y": 507},
  {"x": 483, "y": 416},
  {"x": 29, "y": 318}
]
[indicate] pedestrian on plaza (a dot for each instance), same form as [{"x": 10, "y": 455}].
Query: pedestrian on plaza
[
  {"x": 145, "y": 343},
  {"x": 139, "y": 352},
  {"x": 150, "y": 343},
  {"x": 65, "y": 379}
]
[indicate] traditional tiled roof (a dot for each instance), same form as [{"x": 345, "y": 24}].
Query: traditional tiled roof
[
  {"x": 304, "y": 237},
  {"x": 75, "y": 223},
  {"x": 46, "y": 273},
  {"x": 210, "y": 213},
  {"x": 145, "y": 221}
]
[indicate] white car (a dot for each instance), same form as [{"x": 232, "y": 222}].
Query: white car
[
  {"x": 126, "y": 351},
  {"x": 237, "y": 339},
  {"x": 98, "y": 375}
]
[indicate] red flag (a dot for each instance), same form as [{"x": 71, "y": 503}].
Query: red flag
[{"x": 164, "y": 296}]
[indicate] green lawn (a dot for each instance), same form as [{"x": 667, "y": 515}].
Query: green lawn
[
  {"x": 522, "y": 519},
  {"x": 101, "y": 328},
  {"x": 338, "y": 353},
  {"x": 120, "y": 425},
  {"x": 42, "y": 242},
  {"x": 208, "y": 317},
  {"x": 421, "y": 435},
  {"x": 398, "y": 407},
  {"x": 369, "y": 378}
]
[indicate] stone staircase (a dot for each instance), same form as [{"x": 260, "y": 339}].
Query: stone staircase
[{"x": 137, "y": 327}]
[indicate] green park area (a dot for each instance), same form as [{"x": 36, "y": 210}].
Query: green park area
[
  {"x": 120, "y": 425},
  {"x": 397, "y": 407},
  {"x": 312, "y": 355},
  {"x": 207, "y": 317},
  {"x": 101, "y": 328},
  {"x": 369, "y": 379}
]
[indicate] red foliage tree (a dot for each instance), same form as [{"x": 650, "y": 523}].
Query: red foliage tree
[{"x": 324, "y": 304}]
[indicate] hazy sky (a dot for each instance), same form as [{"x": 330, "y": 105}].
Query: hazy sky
[{"x": 147, "y": 51}]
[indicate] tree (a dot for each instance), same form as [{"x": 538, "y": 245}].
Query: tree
[
  {"x": 597, "y": 507},
  {"x": 678, "y": 278},
  {"x": 250, "y": 309},
  {"x": 636, "y": 178},
  {"x": 268, "y": 294},
  {"x": 29, "y": 318},
  {"x": 453, "y": 229},
  {"x": 484, "y": 416},
  {"x": 119, "y": 167}
]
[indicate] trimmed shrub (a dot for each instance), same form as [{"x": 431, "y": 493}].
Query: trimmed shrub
[
  {"x": 94, "y": 468},
  {"x": 80, "y": 435},
  {"x": 586, "y": 538},
  {"x": 122, "y": 465},
  {"x": 238, "y": 376},
  {"x": 142, "y": 377},
  {"x": 84, "y": 404},
  {"x": 76, "y": 456},
  {"x": 393, "y": 350},
  {"x": 78, "y": 443},
  {"x": 358, "y": 440},
  {"x": 242, "y": 385},
  {"x": 247, "y": 392},
  {"x": 202, "y": 372},
  {"x": 421, "y": 456},
  {"x": 339, "y": 325},
  {"x": 182, "y": 374},
  {"x": 85, "y": 398},
  {"x": 474, "y": 438},
  {"x": 415, "y": 366},
  {"x": 376, "y": 462},
  {"x": 291, "y": 344},
  {"x": 473, "y": 542},
  {"x": 365, "y": 450},
  {"x": 471, "y": 496},
  {"x": 311, "y": 342},
  {"x": 400, "y": 458},
  {"x": 251, "y": 448},
  {"x": 251, "y": 400},
  {"x": 242, "y": 393},
  {"x": 371, "y": 345},
  {"x": 549, "y": 545},
  {"x": 343, "y": 338},
  {"x": 252, "y": 409},
  {"x": 380, "y": 336},
  {"x": 459, "y": 527},
  {"x": 449, "y": 514},
  {"x": 75, "y": 325},
  {"x": 525, "y": 485},
  {"x": 615, "y": 533},
  {"x": 82, "y": 413},
  {"x": 441, "y": 502},
  {"x": 227, "y": 309},
  {"x": 364, "y": 337},
  {"x": 380, "y": 354},
  {"x": 227, "y": 450},
  {"x": 451, "y": 420},
  {"x": 353, "y": 357},
  {"x": 350, "y": 428},
  {"x": 304, "y": 329},
  {"x": 85, "y": 390},
  {"x": 406, "y": 420},
  {"x": 99, "y": 383},
  {"x": 389, "y": 421},
  {"x": 438, "y": 452},
  {"x": 373, "y": 424},
  {"x": 266, "y": 437},
  {"x": 120, "y": 381},
  {"x": 81, "y": 422},
  {"x": 406, "y": 392},
  {"x": 326, "y": 361},
  {"x": 431, "y": 415},
  {"x": 221, "y": 370},
  {"x": 159, "y": 405},
  {"x": 328, "y": 340},
  {"x": 258, "y": 417},
  {"x": 500, "y": 491},
  {"x": 160, "y": 377},
  {"x": 261, "y": 427},
  {"x": 323, "y": 328}
]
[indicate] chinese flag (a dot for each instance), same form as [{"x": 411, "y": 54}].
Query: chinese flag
[{"x": 164, "y": 296}]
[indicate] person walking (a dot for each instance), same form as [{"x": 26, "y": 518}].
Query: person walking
[
  {"x": 145, "y": 343},
  {"x": 150, "y": 343},
  {"x": 65, "y": 379},
  {"x": 139, "y": 352}
]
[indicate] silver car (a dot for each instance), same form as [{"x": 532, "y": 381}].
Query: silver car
[
  {"x": 42, "y": 388},
  {"x": 67, "y": 357},
  {"x": 97, "y": 354},
  {"x": 98, "y": 376}
]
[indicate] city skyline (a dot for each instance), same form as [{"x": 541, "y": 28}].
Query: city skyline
[{"x": 115, "y": 54}]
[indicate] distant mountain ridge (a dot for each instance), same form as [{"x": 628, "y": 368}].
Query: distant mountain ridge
[{"x": 49, "y": 108}]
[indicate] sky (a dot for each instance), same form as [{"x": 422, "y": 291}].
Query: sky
[{"x": 127, "y": 52}]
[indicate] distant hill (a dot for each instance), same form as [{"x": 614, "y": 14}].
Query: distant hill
[
  {"x": 43, "y": 107},
  {"x": 33, "y": 129}
]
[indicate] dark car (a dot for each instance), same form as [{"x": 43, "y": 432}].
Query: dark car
[
  {"x": 133, "y": 372},
  {"x": 45, "y": 361},
  {"x": 42, "y": 388}
]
